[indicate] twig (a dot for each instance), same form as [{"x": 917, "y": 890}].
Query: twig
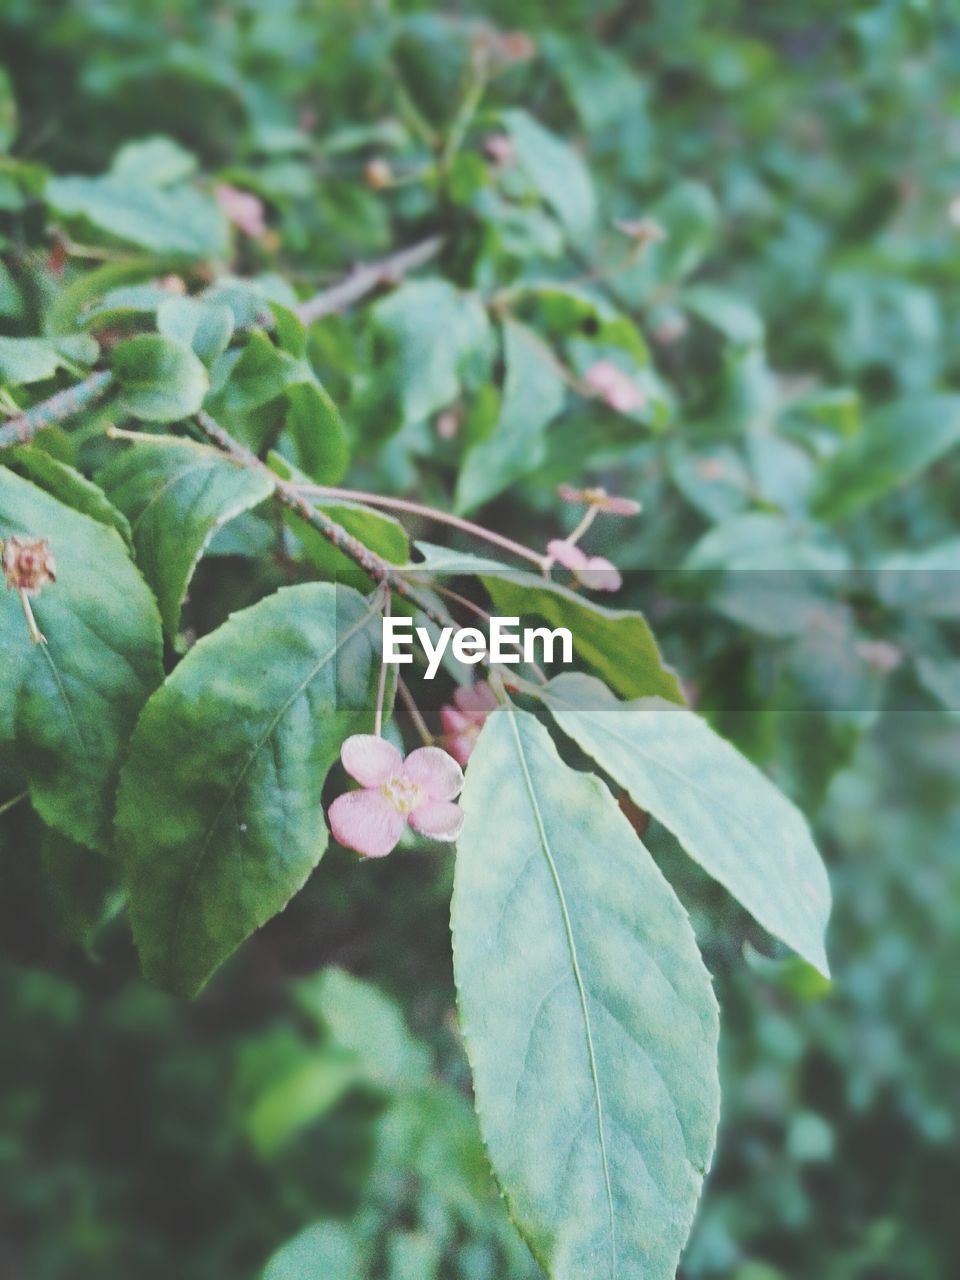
[
  {"x": 428, "y": 513},
  {"x": 378, "y": 568},
  {"x": 7, "y": 805},
  {"x": 413, "y": 711},
  {"x": 63, "y": 405},
  {"x": 367, "y": 277}
]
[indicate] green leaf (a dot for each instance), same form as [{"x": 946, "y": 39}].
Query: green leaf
[
  {"x": 325, "y": 1249},
  {"x": 589, "y": 1018},
  {"x": 727, "y": 814},
  {"x": 434, "y": 334},
  {"x": 533, "y": 395},
  {"x": 177, "y": 494},
  {"x": 70, "y": 487},
  {"x": 726, "y": 312},
  {"x": 83, "y": 887},
  {"x": 26, "y": 360},
  {"x": 316, "y": 432},
  {"x": 366, "y": 1024},
  {"x": 616, "y": 643},
  {"x": 619, "y": 645},
  {"x": 68, "y": 707},
  {"x": 689, "y": 215},
  {"x": 896, "y": 444},
  {"x": 176, "y": 220},
  {"x": 159, "y": 380},
  {"x": 926, "y": 581},
  {"x": 556, "y": 170},
  {"x": 155, "y": 162},
  {"x": 205, "y": 327},
  {"x": 219, "y": 819}
]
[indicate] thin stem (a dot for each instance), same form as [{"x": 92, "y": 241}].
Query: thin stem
[
  {"x": 7, "y": 805},
  {"x": 381, "y": 683},
  {"x": 428, "y": 513},
  {"x": 378, "y": 569},
  {"x": 589, "y": 516},
  {"x": 60, "y": 406},
  {"x": 413, "y": 711},
  {"x": 482, "y": 613},
  {"x": 36, "y": 635},
  {"x": 369, "y": 276}
]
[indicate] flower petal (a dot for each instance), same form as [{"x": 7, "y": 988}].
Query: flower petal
[
  {"x": 476, "y": 701},
  {"x": 436, "y": 771},
  {"x": 440, "y": 820},
  {"x": 566, "y": 554},
  {"x": 460, "y": 746},
  {"x": 618, "y": 506},
  {"x": 454, "y": 720},
  {"x": 367, "y": 822},
  {"x": 600, "y": 575},
  {"x": 369, "y": 759}
]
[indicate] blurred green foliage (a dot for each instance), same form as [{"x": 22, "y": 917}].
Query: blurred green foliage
[{"x": 795, "y": 336}]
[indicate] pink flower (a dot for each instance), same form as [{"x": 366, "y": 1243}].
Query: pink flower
[
  {"x": 418, "y": 790},
  {"x": 593, "y": 571},
  {"x": 499, "y": 148},
  {"x": 242, "y": 208},
  {"x": 463, "y": 721},
  {"x": 614, "y": 387},
  {"x": 599, "y": 498}
]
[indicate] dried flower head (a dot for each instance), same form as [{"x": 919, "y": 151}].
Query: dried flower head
[
  {"x": 28, "y": 564},
  {"x": 378, "y": 175},
  {"x": 598, "y": 497},
  {"x": 394, "y": 792}
]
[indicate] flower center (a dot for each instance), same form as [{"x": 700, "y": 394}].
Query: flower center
[{"x": 403, "y": 794}]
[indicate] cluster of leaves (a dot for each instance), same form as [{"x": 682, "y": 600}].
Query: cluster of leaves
[{"x": 785, "y": 342}]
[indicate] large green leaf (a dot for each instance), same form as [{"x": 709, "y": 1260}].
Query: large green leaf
[
  {"x": 175, "y": 220},
  {"x": 176, "y": 495},
  {"x": 70, "y": 487},
  {"x": 589, "y": 1018},
  {"x": 722, "y": 809},
  {"x": 67, "y": 708},
  {"x": 533, "y": 395},
  {"x": 556, "y": 170},
  {"x": 219, "y": 819},
  {"x": 895, "y": 445}
]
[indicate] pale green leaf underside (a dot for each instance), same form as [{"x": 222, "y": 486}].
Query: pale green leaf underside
[
  {"x": 726, "y": 813},
  {"x": 67, "y": 708},
  {"x": 589, "y": 1018},
  {"x": 176, "y": 495},
  {"x": 219, "y": 818}
]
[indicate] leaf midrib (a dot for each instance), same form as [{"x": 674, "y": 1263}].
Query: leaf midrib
[{"x": 578, "y": 977}]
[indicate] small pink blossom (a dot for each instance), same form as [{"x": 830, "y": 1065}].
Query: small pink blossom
[
  {"x": 418, "y": 791},
  {"x": 242, "y": 208},
  {"x": 499, "y": 148},
  {"x": 599, "y": 498},
  {"x": 615, "y": 388},
  {"x": 463, "y": 721},
  {"x": 593, "y": 571}
]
